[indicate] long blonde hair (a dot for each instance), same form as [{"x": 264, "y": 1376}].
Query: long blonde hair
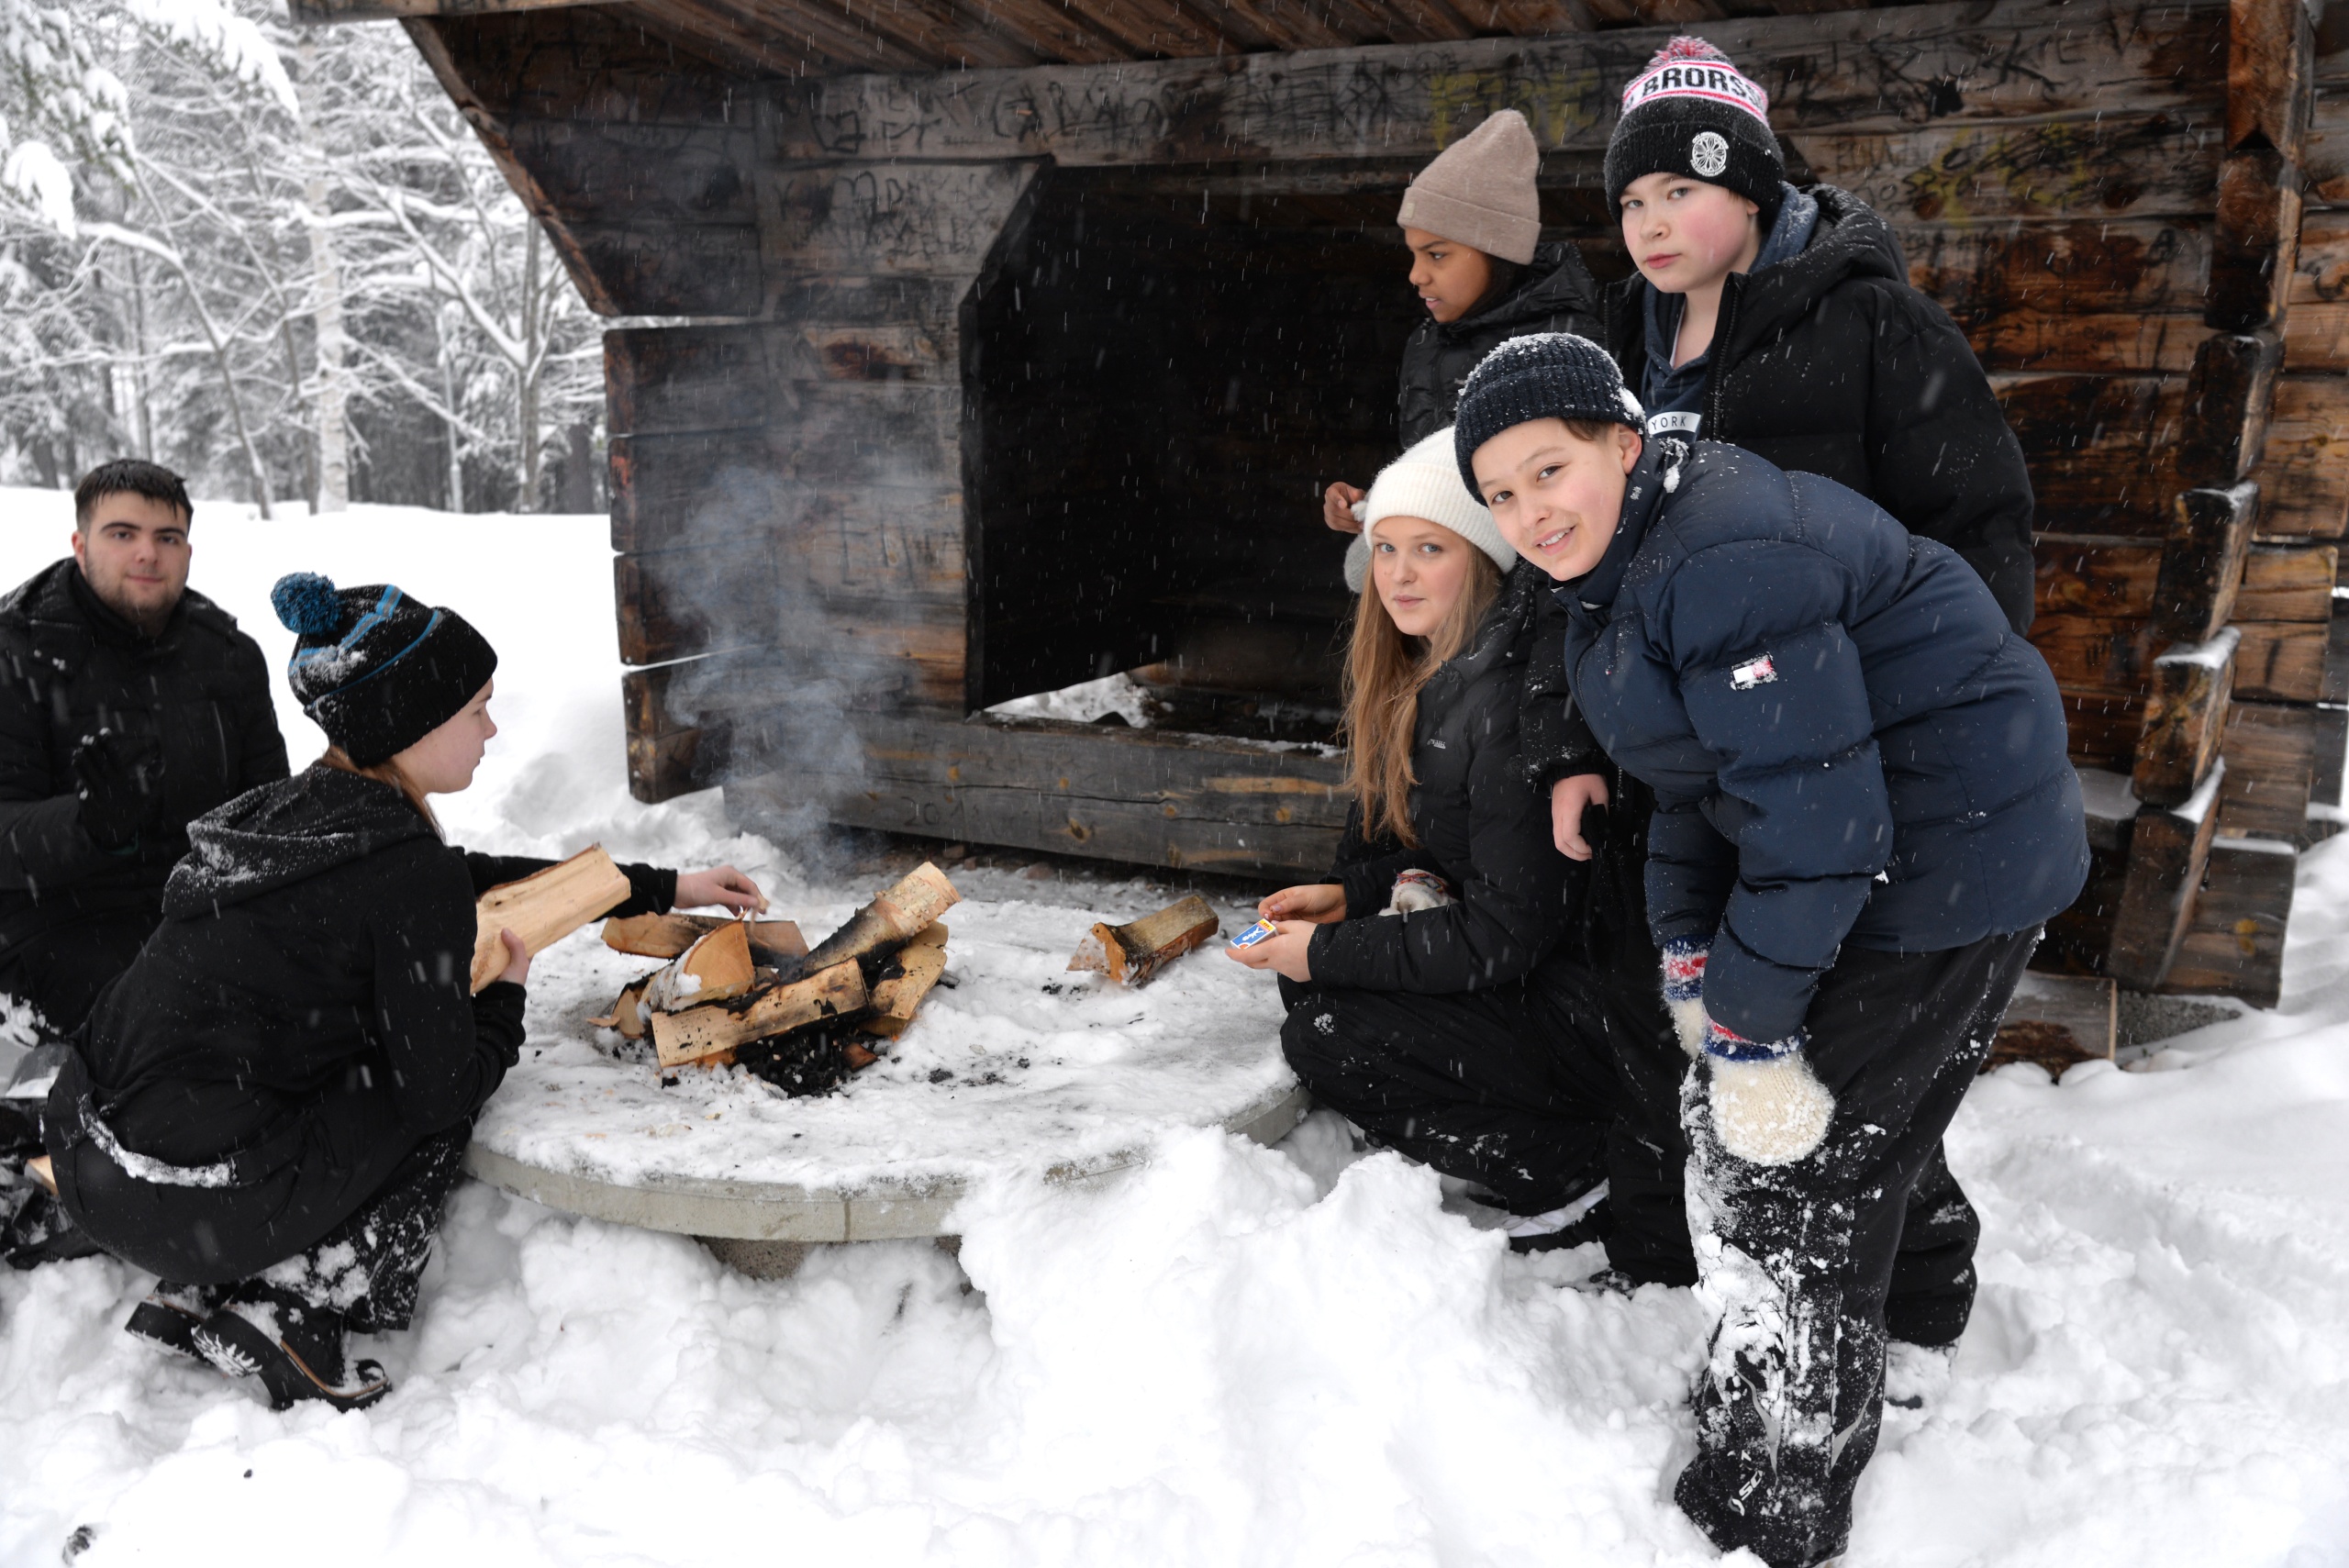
[
  {"x": 385, "y": 771},
  {"x": 1385, "y": 672}
]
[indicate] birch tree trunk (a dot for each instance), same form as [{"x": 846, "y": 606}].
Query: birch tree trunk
[{"x": 330, "y": 405}]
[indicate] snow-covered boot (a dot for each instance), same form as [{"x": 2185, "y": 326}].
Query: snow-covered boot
[
  {"x": 294, "y": 1347},
  {"x": 171, "y": 1314},
  {"x": 1916, "y": 1376}
]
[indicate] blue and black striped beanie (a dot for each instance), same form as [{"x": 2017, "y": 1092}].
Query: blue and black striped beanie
[{"x": 376, "y": 670}]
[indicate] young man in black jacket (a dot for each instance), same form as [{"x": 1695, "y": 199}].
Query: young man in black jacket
[{"x": 129, "y": 705}]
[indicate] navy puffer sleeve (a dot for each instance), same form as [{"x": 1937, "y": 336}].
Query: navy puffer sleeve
[{"x": 1774, "y": 689}]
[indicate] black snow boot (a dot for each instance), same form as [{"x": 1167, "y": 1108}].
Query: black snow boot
[
  {"x": 171, "y": 1314},
  {"x": 294, "y": 1347}
]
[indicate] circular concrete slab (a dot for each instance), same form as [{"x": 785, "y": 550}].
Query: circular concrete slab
[
  {"x": 1013, "y": 1064},
  {"x": 874, "y": 1210}
]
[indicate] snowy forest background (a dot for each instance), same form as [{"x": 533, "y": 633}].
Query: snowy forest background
[{"x": 277, "y": 260}]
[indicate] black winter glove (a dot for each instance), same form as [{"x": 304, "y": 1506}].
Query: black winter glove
[{"x": 121, "y": 786}]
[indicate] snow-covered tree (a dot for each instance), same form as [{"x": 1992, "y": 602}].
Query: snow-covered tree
[{"x": 278, "y": 261}]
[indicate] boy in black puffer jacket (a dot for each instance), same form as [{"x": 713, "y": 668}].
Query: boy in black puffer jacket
[
  {"x": 1473, "y": 222},
  {"x": 1864, "y": 812}
]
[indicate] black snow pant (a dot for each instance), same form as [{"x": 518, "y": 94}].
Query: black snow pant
[
  {"x": 1800, "y": 1257},
  {"x": 1511, "y": 1088},
  {"x": 348, "y": 1210}
]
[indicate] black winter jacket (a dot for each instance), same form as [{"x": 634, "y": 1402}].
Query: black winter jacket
[
  {"x": 303, "y": 1007},
  {"x": 1846, "y": 740},
  {"x": 69, "y": 666},
  {"x": 1830, "y": 363},
  {"x": 1558, "y": 294},
  {"x": 1480, "y": 827}
]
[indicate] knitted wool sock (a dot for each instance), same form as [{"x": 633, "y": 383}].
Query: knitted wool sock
[
  {"x": 1768, "y": 1107},
  {"x": 1684, "y": 991}
]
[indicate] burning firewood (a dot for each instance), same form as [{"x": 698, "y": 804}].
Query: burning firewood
[
  {"x": 717, "y": 966},
  {"x": 889, "y": 923},
  {"x": 920, "y": 963},
  {"x": 544, "y": 907},
  {"x": 1133, "y": 954},
  {"x": 666, "y": 936},
  {"x": 700, "y": 1032}
]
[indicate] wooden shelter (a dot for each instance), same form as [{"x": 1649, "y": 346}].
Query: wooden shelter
[{"x": 1003, "y": 343}]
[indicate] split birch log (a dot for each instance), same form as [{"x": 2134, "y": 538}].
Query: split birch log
[
  {"x": 1133, "y": 954},
  {"x": 630, "y": 1015},
  {"x": 544, "y": 907},
  {"x": 887, "y": 924},
  {"x": 714, "y": 968},
  {"x": 922, "y": 963},
  {"x": 666, "y": 936},
  {"x": 699, "y": 1033}
]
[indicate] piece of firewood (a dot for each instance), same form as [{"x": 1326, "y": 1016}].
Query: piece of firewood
[
  {"x": 630, "y": 1015},
  {"x": 698, "y": 1033},
  {"x": 714, "y": 969},
  {"x": 666, "y": 936},
  {"x": 44, "y": 1175},
  {"x": 895, "y": 999},
  {"x": 544, "y": 907},
  {"x": 887, "y": 924},
  {"x": 1133, "y": 954}
]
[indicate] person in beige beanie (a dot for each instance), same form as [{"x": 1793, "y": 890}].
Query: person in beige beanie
[{"x": 1472, "y": 221}]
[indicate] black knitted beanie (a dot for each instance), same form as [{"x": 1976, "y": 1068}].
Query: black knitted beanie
[
  {"x": 1691, "y": 112},
  {"x": 374, "y": 669},
  {"x": 1548, "y": 375}
]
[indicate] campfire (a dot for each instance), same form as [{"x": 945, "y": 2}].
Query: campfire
[{"x": 751, "y": 993}]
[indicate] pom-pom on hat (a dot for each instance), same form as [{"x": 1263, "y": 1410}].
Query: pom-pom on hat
[
  {"x": 1425, "y": 483},
  {"x": 1691, "y": 112},
  {"x": 377, "y": 671},
  {"x": 1548, "y": 375},
  {"x": 1479, "y": 190}
]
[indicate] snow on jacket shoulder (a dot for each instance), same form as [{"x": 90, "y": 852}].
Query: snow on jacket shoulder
[
  {"x": 1481, "y": 827},
  {"x": 1846, "y": 738},
  {"x": 1830, "y": 363}
]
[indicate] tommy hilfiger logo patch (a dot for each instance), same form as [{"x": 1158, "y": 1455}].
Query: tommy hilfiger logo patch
[{"x": 1753, "y": 672}]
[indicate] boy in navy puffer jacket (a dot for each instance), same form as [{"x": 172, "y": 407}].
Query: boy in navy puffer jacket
[{"x": 1864, "y": 812}]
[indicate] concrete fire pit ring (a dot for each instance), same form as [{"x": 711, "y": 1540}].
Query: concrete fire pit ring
[{"x": 914, "y": 1209}]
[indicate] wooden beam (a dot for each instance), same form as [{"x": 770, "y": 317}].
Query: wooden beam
[
  {"x": 2202, "y": 561},
  {"x": 2111, "y": 576},
  {"x": 2169, "y": 849},
  {"x": 2271, "y": 755},
  {"x": 2184, "y": 719},
  {"x": 318, "y": 13},
  {"x": 1141, "y": 797},
  {"x": 1971, "y": 69},
  {"x": 2304, "y": 479},
  {"x": 2228, "y": 402},
  {"x": 2281, "y": 584},
  {"x": 2256, "y": 238},
  {"x": 2104, "y": 726},
  {"x": 2102, "y": 450},
  {"x": 2091, "y": 652},
  {"x": 2234, "y": 941},
  {"x": 2282, "y": 662}
]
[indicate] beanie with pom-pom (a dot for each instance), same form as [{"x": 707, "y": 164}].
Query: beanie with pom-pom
[
  {"x": 1692, "y": 111},
  {"x": 374, "y": 669}
]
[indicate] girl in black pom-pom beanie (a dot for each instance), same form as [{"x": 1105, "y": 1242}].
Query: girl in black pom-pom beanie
[{"x": 269, "y": 1106}]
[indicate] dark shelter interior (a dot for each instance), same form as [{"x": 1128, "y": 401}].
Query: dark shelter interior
[{"x": 1163, "y": 373}]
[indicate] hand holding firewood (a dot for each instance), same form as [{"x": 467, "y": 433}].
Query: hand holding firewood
[{"x": 720, "y": 885}]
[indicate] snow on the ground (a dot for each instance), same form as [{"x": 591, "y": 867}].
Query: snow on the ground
[{"x": 1237, "y": 1356}]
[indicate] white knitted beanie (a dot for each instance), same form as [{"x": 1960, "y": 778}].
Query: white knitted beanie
[
  {"x": 1425, "y": 483},
  {"x": 1479, "y": 190}
]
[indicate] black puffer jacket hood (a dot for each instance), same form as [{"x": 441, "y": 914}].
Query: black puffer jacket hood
[
  {"x": 1556, "y": 294},
  {"x": 1830, "y": 363},
  {"x": 284, "y": 833}
]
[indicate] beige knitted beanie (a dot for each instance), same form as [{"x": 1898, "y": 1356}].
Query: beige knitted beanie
[{"x": 1479, "y": 190}]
